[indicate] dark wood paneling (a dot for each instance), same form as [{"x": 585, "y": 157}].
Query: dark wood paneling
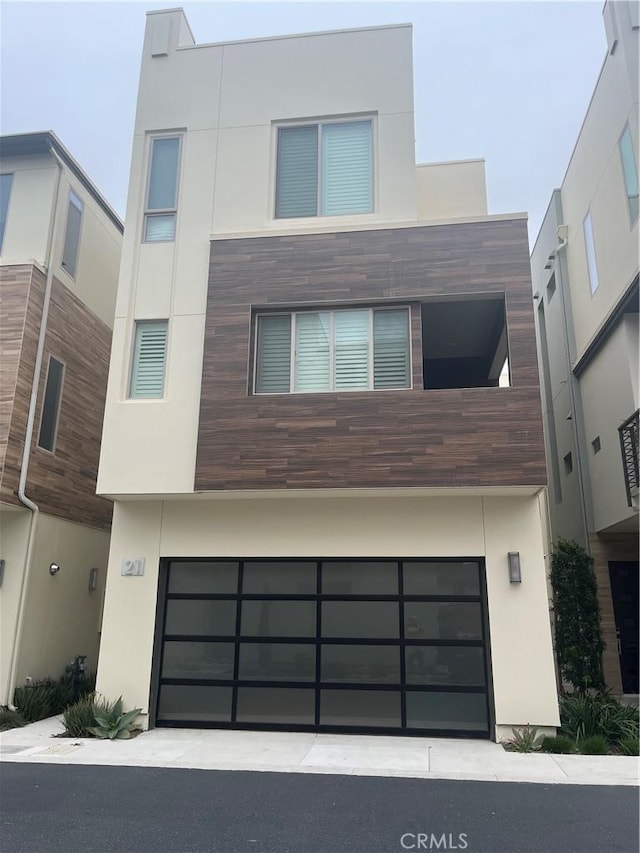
[
  {"x": 467, "y": 437},
  {"x": 62, "y": 483}
]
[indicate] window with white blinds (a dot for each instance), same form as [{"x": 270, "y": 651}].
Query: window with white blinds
[
  {"x": 355, "y": 349},
  {"x": 149, "y": 359},
  {"x": 324, "y": 169}
]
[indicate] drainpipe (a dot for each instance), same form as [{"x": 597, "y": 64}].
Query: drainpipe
[{"x": 24, "y": 468}]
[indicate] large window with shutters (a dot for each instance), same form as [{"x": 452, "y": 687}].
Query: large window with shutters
[
  {"x": 349, "y": 350},
  {"x": 149, "y": 359},
  {"x": 324, "y": 169}
]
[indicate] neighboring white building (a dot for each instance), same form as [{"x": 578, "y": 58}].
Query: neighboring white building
[
  {"x": 285, "y": 553},
  {"x": 59, "y": 257},
  {"x": 585, "y": 282}
]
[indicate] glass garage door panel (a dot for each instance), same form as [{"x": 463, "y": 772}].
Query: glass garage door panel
[
  {"x": 362, "y": 708},
  {"x": 359, "y": 578},
  {"x": 277, "y": 661},
  {"x": 200, "y": 617},
  {"x": 432, "y": 578},
  {"x": 459, "y": 665},
  {"x": 449, "y": 711},
  {"x": 201, "y": 577},
  {"x": 197, "y": 660},
  {"x": 292, "y": 706},
  {"x": 197, "y": 704},
  {"x": 278, "y": 619},
  {"x": 363, "y": 619},
  {"x": 364, "y": 664},
  {"x": 438, "y": 620},
  {"x": 271, "y": 578}
]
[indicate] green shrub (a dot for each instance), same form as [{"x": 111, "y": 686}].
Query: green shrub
[
  {"x": 629, "y": 746},
  {"x": 113, "y": 723},
  {"x": 576, "y": 615},
  {"x": 583, "y": 715},
  {"x": 11, "y": 720},
  {"x": 559, "y": 745},
  {"x": 49, "y": 697},
  {"x": 525, "y": 739},
  {"x": 594, "y": 745},
  {"x": 79, "y": 718}
]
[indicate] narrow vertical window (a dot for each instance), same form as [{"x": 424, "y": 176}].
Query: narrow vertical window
[
  {"x": 5, "y": 192},
  {"x": 162, "y": 190},
  {"x": 273, "y": 361},
  {"x": 149, "y": 359},
  {"x": 297, "y": 172},
  {"x": 630, "y": 172},
  {"x": 587, "y": 228},
  {"x": 72, "y": 235},
  {"x": 312, "y": 364},
  {"x": 391, "y": 362},
  {"x": 51, "y": 405}
]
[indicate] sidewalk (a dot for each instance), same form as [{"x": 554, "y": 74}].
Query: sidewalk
[{"x": 301, "y": 752}]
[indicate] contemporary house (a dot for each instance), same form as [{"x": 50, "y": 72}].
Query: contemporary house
[
  {"x": 60, "y": 246},
  {"x": 329, "y": 510},
  {"x": 585, "y": 283}
]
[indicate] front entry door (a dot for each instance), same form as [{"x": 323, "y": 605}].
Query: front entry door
[{"x": 624, "y": 591}]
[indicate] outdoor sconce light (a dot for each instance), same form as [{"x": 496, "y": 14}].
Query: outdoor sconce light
[
  {"x": 54, "y": 568},
  {"x": 515, "y": 575},
  {"x": 93, "y": 579}
]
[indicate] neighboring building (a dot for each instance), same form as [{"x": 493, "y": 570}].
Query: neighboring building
[
  {"x": 585, "y": 282},
  {"x": 317, "y": 478},
  {"x": 60, "y": 248}
]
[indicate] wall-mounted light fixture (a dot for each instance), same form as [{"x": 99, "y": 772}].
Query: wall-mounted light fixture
[
  {"x": 93, "y": 579},
  {"x": 54, "y": 568},
  {"x": 515, "y": 575}
]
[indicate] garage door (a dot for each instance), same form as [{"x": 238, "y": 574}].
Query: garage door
[{"x": 327, "y": 645}]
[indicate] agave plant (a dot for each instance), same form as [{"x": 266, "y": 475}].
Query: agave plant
[
  {"x": 113, "y": 723},
  {"x": 525, "y": 739}
]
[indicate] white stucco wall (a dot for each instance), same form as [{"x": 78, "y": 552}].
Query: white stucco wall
[
  {"x": 62, "y": 616},
  {"x": 523, "y": 673},
  {"x": 28, "y": 226},
  {"x": 449, "y": 190}
]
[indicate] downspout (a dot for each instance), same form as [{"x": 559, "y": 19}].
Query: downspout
[{"x": 24, "y": 467}]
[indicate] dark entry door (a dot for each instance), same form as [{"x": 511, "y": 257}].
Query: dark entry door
[
  {"x": 329, "y": 645},
  {"x": 624, "y": 591}
]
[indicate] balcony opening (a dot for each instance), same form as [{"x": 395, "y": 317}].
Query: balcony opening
[{"x": 464, "y": 343}]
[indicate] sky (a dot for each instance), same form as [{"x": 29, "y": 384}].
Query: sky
[{"x": 506, "y": 81}]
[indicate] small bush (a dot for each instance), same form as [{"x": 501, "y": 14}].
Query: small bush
[
  {"x": 585, "y": 715},
  {"x": 559, "y": 745},
  {"x": 11, "y": 720},
  {"x": 629, "y": 746},
  {"x": 79, "y": 718},
  {"x": 49, "y": 697},
  {"x": 525, "y": 739},
  {"x": 594, "y": 745}
]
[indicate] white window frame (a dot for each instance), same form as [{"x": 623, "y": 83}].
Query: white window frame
[
  {"x": 73, "y": 200},
  {"x": 319, "y": 123},
  {"x": 150, "y": 213},
  {"x": 332, "y": 312},
  {"x": 56, "y": 425}
]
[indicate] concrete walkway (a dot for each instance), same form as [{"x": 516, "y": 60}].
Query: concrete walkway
[{"x": 299, "y": 752}]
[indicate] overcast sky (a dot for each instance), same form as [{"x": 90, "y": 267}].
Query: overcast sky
[{"x": 509, "y": 82}]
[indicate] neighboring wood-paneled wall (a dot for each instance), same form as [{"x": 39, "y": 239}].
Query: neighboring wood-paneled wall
[
  {"x": 458, "y": 437},
  {"x": 62, "y": 483}
]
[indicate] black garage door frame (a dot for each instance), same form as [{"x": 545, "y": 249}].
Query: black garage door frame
[{"x": 404, "y": 687}]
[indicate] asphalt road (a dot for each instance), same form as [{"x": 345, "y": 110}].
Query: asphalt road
[{"x": 77, "y": 809}]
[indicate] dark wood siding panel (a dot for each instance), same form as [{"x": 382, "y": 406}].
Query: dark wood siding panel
[
  {"x": 15, "y": 282},
  {"x": 63, "y": 483},
  {"x": 472, "y": 437}
]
